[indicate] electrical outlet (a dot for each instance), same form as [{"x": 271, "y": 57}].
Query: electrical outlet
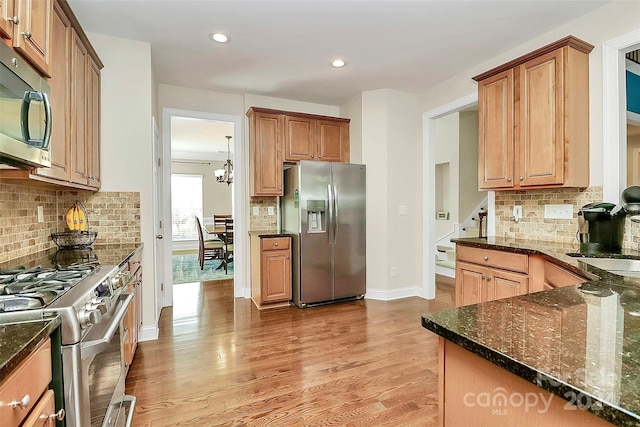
[
  {"x": 40, "y": 214},
  {"x": 256, "y": 211},
  {"x": 394, "y": 271},
  {"x": 558, "y": 211},
  {"x": 271, "y": 210}
]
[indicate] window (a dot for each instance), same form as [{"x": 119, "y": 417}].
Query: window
[{"x": 186, "y": 203}]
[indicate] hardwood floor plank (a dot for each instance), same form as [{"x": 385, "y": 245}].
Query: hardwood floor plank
[{"x": 219, "y": 361}]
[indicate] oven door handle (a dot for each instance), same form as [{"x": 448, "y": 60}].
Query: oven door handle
[{"x": 91, "y": 348}]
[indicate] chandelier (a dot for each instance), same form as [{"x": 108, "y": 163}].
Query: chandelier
[{"x": 225, "y": 174}]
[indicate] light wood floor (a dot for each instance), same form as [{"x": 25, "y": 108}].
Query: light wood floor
[{"x": 220, "y": 361}]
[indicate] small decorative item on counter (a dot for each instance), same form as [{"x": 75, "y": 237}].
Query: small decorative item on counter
[{"x": 78, "y": 235}]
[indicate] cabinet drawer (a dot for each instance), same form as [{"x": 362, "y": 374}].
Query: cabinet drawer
[
  {"x": 31, "y": 378},
  {"x": 40, "y": 416},
  {"x": 275, "y": 243},
  {"x": 557, "y": 277},
  {"x": 493, "y": 258}
]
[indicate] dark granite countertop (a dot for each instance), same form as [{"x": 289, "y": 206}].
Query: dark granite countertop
[
  {"x": 269, "y": 233},
  {"x": 19, "y": 339},
  {"x": 579, "y": 342},
  {"x": 106, "y": 254}
]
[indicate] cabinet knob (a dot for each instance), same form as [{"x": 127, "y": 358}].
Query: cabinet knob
[
  {"x": 488, "y": 278},
  {"x": 521, "y": 178},
  {"x": 509, "y": 179},
  {"x": 486, "y": 258},
  {"x": 312, "y": 156},
  {"x": 14, "y": 19},
  {"x": 276, "y": 244},
  {"x": 22, "y": 403},
  {"x": 59, "y": 416},
  {"x": 27, "y": 34}
]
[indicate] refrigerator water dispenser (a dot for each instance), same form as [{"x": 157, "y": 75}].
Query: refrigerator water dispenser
[{"x": 316, "y": 216}]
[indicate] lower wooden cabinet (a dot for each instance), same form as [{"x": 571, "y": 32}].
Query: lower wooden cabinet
[
  {"x": 132, "y": 322},
  {"x": 270, "y": 271},
  {"x": 24, "y": 388},
  {"x": 488, "y": 274},
  {"x": 44, "y": 414}
]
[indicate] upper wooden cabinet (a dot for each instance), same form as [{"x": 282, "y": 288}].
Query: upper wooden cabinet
[
  {"x": 282, "y": 136},
  {"x": 307, "y": 138},
  {"x": 265, "y": 153},
  {"x": 533, "y": 115},
  {"x": 27, "y": 26},
  {"x": 75, "y": 102}
]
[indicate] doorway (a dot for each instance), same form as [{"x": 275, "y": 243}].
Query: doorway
[
  {"x": 204, "y": 164},
  {"x": 429, "y": 209}
]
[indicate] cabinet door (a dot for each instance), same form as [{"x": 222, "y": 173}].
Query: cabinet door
[
  {"x": 469, "y": 283},
  {"x": 541, "y": 117},
  {"x": 333, "y": 141},
  {"x": 266, "y": 154},
  {"x": 503, "y": 284},
  {"x": 495, "y": 131},
  {"x": 93, "y": 123},
  {"x": 61, "y": 34},
  {"x": 7, "y": 15},
  {"x": 32, "y": 33},
  {"x": 276, "y": 276},
  {"x": 78, "y": 111},
  {"x": 299, "y": 141}
]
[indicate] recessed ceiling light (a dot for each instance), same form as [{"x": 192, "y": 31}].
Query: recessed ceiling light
[
  {"x": 219, "y": 37},
  {"x": 338, "y": 63}
]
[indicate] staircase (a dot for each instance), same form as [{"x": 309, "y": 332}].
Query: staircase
[{"x": 445, "y": 250}]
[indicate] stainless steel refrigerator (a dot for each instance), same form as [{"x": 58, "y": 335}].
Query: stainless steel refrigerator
[{"x": 324, "y": 208}]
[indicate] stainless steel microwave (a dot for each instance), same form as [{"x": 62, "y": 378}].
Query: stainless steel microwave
[{"x": 25, "y": 113}]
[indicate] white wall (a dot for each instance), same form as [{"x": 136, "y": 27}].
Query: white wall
[
  {"x": 447, "y": 141},
  {"x": 391, "y": 150},
  {"x": 353, "y": 110},
  {"x": 603, "y": 24},
  {"x": 127, "y": 140}
]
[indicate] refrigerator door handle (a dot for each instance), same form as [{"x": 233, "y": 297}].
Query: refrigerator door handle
[
  {"x": 335, "y": 214},
  {"x": 330, "y": 224}
]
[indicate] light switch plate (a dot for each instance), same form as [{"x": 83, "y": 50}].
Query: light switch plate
[
  {"x": 256, "y": 211},
  {"x": 40, "y": 214},
  {"x": 271, "y": 210},
  {"x": 558, "y": 211}
]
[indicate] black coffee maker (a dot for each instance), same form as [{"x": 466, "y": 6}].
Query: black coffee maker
[{"x": 600, "y": 228}]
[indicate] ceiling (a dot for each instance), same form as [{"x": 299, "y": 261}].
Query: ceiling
[{"x": 283, "y": 48}]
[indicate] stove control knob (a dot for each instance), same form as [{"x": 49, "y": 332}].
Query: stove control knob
[
  {"x": 88, "y": 317},
  {"x": 99, "y": 304}
]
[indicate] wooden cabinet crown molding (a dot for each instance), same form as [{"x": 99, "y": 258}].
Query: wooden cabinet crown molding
[
  {"x": 569, "y": 41},
  {"x": 295, "y": 114}
]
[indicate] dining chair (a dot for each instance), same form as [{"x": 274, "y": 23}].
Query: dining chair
[
  {"x": 228, "y": 243},
  {"x": 208, "y": 249}
]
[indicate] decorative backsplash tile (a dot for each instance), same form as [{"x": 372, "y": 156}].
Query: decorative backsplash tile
[
  {"x": 263, "y": 221},
  {"x": 114, "y": 215},
  {"x": 534, "y": 225}
]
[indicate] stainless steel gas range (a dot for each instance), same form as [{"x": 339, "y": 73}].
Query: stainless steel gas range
[{"x": 90, "y": 300}]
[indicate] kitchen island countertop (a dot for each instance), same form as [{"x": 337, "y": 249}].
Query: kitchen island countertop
[{"x": 589, "y": 349}]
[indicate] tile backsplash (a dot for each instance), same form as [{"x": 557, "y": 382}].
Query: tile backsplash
[
  {"x": 263, "y": 221},
  {"x": 533, "y": 225},
  {"x": 114, "y": 215}
]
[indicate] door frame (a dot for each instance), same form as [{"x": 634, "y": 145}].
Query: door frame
[
  {"x": 614, "y": 117},
  {"x": 428, "y": 289},
  {"x": 240, "y": 198}
]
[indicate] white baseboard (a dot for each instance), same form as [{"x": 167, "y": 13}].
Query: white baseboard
[
  {"x": 148, "y": 333},
  {"x": 392, "y": 294}
]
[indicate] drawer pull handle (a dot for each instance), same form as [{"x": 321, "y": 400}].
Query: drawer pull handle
[
  {"x": 59, "y": 416},
  {"x": 22, "y": 403},
  {"x": 486, "y": 258}
]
